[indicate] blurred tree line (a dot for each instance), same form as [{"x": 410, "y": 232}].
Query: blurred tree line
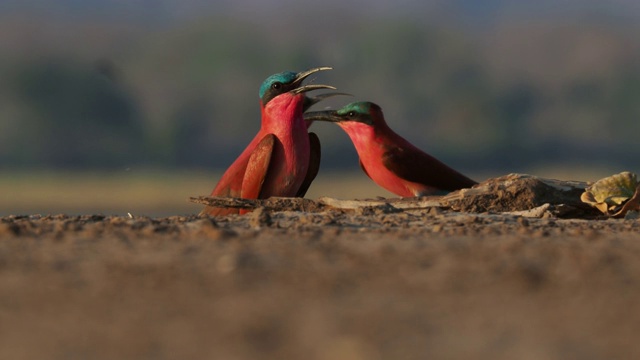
[{"x": 103, "y": 95}]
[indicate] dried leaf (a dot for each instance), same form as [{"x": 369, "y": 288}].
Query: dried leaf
[
  {"x": 632, "y": 205},
  {"x": 588, "y": 198},
  {"x": 609, "y": 194}
]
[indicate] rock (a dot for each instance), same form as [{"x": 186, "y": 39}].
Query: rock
[{"x": 521, "y": 192}]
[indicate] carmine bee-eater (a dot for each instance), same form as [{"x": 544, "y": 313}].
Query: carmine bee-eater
[
  {"x": 388, "y": 159},
  {"x": 283, "y": 158}
]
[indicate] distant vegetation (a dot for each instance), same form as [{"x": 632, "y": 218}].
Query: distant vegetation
[{"x": 90, "y": 94}]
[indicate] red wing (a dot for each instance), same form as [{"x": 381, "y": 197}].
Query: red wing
[
  {"x": 314, "y": 164},
  {"x": 229, "y": 186},
  {"x": 257, "y": 168},
  {"x": 419, "y": 167}
]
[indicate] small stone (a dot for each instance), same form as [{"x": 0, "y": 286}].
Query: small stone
[
  {"x": 259, "y": 218},
  {"x": 523, "y": 221},
  {"x": 9, "y": 228}
]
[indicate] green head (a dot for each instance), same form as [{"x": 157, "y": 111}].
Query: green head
[
  {"x": 362, "y": 112},
  {"x": 276, "y": 81},
  {"x": 288, "y": 81}
]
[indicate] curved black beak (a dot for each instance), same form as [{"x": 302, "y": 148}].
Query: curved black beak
[
  {"x": 327, "y": 115},
  {"x": 303, "y": 75}
]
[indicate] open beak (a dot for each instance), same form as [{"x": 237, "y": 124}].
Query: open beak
[
  {"x": 303, "y": 75},
  {"x": 309, "y": 101}
]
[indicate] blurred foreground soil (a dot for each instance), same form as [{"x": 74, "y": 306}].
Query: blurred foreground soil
[{"x": 294, "y": 285}]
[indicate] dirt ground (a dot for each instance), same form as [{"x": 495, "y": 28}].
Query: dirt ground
[{"x": 294, "y": 285}]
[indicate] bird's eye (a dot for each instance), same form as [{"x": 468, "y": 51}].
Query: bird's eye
[
  {"x": 276, "y": 85},
  {"x": 351, "y": 114}
]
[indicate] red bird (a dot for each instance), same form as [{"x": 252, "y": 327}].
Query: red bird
[
  {"x": 388, "y": 159},
  {"x": 283, "y": 158}
]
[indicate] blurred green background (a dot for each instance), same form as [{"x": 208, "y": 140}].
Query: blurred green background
[{"x": 110, "y": 105}]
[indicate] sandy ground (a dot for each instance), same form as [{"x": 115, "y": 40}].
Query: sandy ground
[{"x": 294, "y": 285}]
